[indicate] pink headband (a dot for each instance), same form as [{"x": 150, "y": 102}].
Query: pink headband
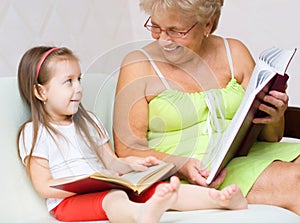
[{"x": 42, "y": 61}]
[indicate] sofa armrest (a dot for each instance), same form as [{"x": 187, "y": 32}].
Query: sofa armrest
[{"x": 292, "y": 122}]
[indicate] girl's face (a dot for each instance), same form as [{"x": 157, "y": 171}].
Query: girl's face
[
  {"x": 63, "y": 92},
  {"x": 178, "y": 50}
]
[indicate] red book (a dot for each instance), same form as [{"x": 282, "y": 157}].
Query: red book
[
  {"x": 269, "y": 74},
  {"x": 134, "y": 181}
]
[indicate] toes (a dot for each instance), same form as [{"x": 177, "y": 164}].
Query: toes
[{"x": 175, "y": 182}]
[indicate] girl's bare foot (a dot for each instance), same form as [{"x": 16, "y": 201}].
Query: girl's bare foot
[
  {"x": 230, "y": 197},
  {"x": 163, "y": 198}
]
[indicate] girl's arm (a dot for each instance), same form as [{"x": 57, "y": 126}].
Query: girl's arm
[
  {"x": 127, "y": 164},
  {"x": 41, "y": 179}
]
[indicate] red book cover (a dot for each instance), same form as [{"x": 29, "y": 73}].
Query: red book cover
[
  {"x": 133, "y": 181},
  {"x": 269, "y": 74}
]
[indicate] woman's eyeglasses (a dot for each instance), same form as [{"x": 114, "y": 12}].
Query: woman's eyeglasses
[{"x": 170, "y": 32}]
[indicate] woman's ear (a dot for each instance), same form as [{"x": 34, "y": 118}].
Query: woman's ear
[
  {"x": 40, "y": 92},
  {"x": 208, "y": 26}
]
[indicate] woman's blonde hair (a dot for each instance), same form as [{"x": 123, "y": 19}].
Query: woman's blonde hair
[{"x": 202, "y": 10}]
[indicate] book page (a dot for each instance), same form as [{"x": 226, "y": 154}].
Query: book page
[
  {"x": 277, "y": 59},
  {"x": 135, "y": 177}
]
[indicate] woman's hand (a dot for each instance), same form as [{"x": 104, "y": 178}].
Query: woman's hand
[
  {"x": 275, "y": 105},
  {"x": 138, "y": 163},
  {"x": 194, "y": 174}
]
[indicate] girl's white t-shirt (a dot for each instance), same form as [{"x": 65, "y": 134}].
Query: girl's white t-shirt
[{"x": 68, "y": 155}]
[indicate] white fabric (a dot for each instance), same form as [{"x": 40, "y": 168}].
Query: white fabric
[
  {"x": 215, "y": 122},
  {"x": 160, "y": 75},
  {"x": 215, "y": 104},
  {"x": 229, "y": 57},
  {"x": 68, "y": 155}
]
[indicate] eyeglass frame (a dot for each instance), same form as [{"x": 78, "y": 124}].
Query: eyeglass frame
[{"x": 181, "y": 34}]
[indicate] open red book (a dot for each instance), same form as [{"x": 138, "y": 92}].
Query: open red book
[
  {"x": 134, "y": 181},
  {"x": 269, "y": 74}
]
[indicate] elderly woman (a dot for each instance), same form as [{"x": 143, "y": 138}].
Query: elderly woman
[{"x": 176, "y": 96}]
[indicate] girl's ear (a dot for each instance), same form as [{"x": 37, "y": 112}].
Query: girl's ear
[{"x": 40, "y": 92}]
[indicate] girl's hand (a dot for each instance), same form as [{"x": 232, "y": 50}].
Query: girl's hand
[{"x": 139, "y": 163}]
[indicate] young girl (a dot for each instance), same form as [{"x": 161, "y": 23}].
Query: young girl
[{"x": 62, "y": 139}]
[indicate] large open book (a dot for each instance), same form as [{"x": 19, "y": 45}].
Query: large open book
[
  {"x": 134, "y": 181},
  {"x": 269, "y": 74}
]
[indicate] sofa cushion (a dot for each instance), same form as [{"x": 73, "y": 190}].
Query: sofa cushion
[{"x": 19, "y": 203}]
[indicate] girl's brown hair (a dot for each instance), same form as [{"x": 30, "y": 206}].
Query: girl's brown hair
[{"x": 28, "y": 81}]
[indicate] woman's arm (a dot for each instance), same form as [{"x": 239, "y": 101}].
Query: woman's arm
[
  {"x": 131, "y": 120},
  {"x": 243, "y": 62},
  {"x": 131, "y": 108},
  {"x": 274, "y": 123}
]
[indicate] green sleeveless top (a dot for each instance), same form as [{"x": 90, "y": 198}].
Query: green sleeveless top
[
  {"x": 180, "y": 120},
  {"x": 183, "y": 123},
  {"x": 187, "y": 124}
]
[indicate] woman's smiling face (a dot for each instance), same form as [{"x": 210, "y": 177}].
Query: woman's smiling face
[{"x": 181, "y": 49}]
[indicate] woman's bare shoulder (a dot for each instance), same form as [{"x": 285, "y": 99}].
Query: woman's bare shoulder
[
  {"x": 242, "y": 59},
  {"x": 133, "y": 57},
  {"x": 238, "y": 47},
  {"x": 135, "y": 66}
]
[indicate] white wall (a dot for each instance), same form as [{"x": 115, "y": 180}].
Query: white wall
[
  {"x": 89, "y": 27},
  {"x": 261, "y": 24},
  {"x": 92, "y": 28}
]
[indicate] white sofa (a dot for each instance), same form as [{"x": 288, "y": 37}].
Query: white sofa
[{"x": 19, "y": 203}]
